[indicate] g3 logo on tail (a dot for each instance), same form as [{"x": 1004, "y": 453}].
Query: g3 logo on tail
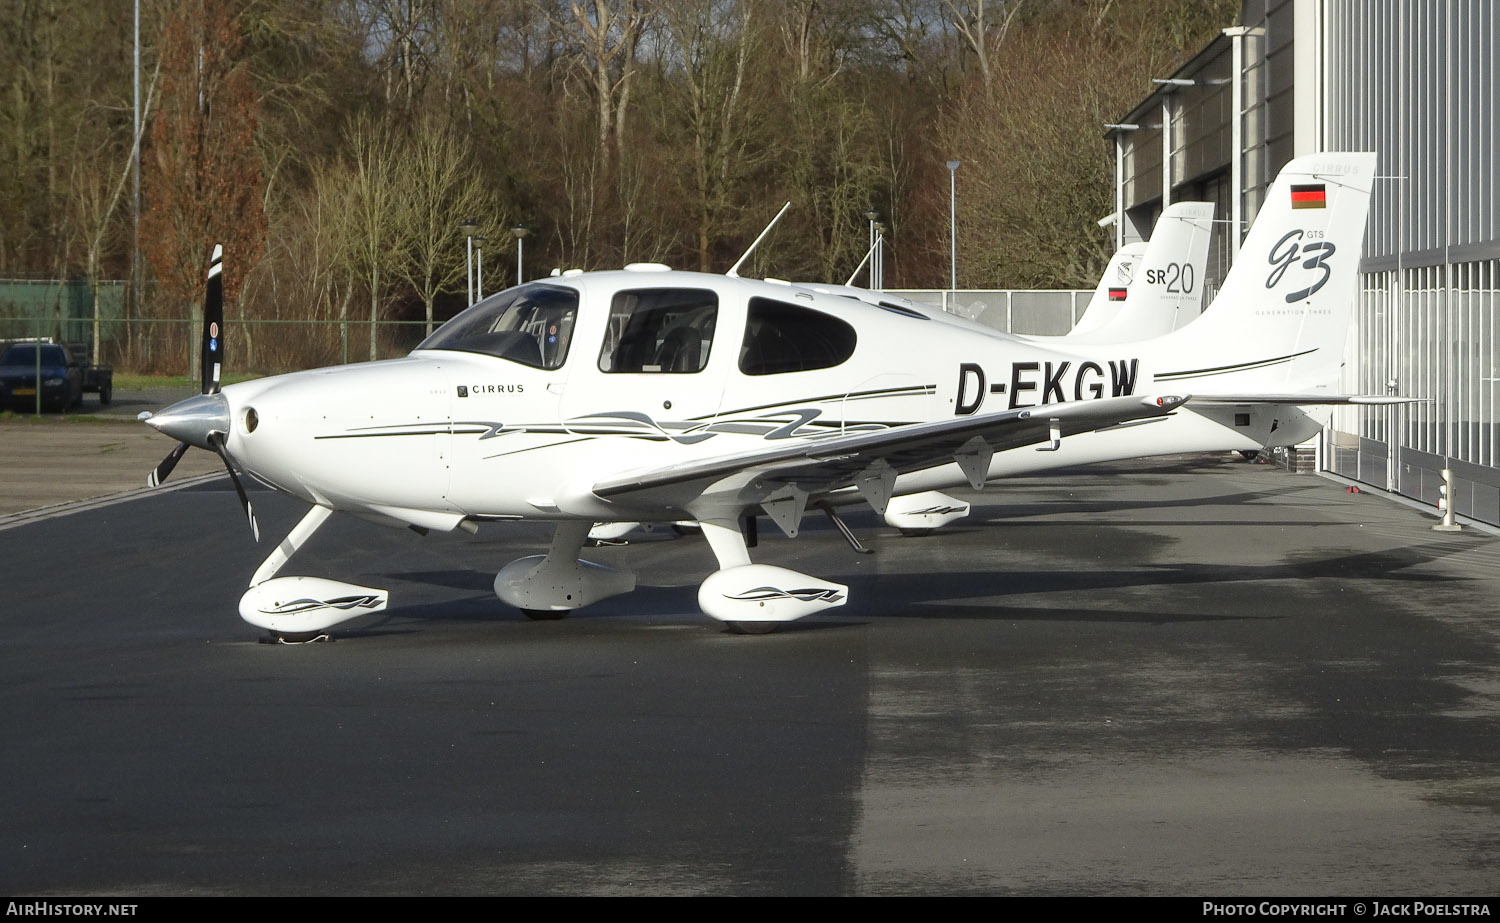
[{"x": 1286, "y": 252}]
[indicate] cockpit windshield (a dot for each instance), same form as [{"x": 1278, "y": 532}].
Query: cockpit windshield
[{"x": 529, "y": 324}]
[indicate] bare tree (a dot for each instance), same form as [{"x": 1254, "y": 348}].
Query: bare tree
[
  {"x": 101, "y": 167},
  {"x": 711, "y": 46},
  {"x": 606, "y": 34},
  {"x": 831, "y": 160},
  {"x": 202, "y": 178},
  {"x": 378, "y": 233},
  {"x": 618, "y": 129},
  {"x": 1036, "y": 175},
  {"x": 438, "y": 190},
  {"x": 983, "y": 25},
  {"x": 404, "y": 32}
]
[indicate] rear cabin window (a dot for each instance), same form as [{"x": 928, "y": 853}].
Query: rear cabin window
[
  {"x": 530, "y": 324},
  {"x": 782, "y": 337},
  {"x": 662, "y": 330}
]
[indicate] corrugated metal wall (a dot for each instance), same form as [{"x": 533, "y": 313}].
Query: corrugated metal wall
[{"x": 1416, "y": 81}]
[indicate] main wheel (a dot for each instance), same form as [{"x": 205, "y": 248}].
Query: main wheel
[
  {"x": 753, "y": 628},
  {"x": 544, "y": 615},
  {"x": 106, "y": 394}
]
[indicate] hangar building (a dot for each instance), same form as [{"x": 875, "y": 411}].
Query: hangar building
[{"x": 1417, "y": 82}]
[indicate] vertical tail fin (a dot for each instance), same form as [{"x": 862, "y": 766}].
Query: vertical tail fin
[
  {"x": 1167, "y": 287},
  {"x": 1281, "y": 318},
  {"x": 1111, "y": 294}
]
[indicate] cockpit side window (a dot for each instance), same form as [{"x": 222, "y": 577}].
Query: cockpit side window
[
  {"x": 663, "y": 330},
  {"x": 530, "y": 324},
  {"x": 782, "y": 337}
]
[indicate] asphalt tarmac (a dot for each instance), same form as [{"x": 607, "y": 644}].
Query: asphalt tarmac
[
  {"x": 93, "y": 451},
  {"x": 1180, "y": 677}
]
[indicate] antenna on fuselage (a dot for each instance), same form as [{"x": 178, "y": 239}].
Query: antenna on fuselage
[{"x": 734, "y": 270}]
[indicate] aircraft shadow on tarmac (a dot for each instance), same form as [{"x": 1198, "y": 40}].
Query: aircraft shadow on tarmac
[
  {"x": 959, "y": 595},
  {"x": 910, "y": 593},
  {"x": 1002, "y": 512},
  {"x": 1132, "y": 559}
]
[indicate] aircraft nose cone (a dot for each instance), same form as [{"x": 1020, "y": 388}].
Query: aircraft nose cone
[{"x": 192, "y": 420}]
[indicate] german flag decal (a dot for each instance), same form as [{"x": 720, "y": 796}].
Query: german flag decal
[
  {"x": 1309, "y": 195},
  {"x": 1117, "y": 294}
]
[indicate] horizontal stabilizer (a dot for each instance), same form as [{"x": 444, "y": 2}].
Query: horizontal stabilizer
[{"x": 1302, "y": 397}]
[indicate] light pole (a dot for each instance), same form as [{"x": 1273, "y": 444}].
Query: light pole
[
  {"x": 520, "y": 231},
  {"x": 953, "y": 225},
  {"x": 874, "y": 216},
  {"x": 467, "y": 228},
  {"x": 1118, "y": 129},
  {"x": 135, "y": 168},
  {"x": 478, "y": 269},
  {"x": 878, "y": 265}
]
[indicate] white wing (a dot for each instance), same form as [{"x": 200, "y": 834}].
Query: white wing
[{"x": 870, "y": 461}]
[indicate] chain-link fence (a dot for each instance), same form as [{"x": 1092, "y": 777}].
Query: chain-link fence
[
  {"x": 65, "y": 310},
  {"x": 1026, "y": 311}
]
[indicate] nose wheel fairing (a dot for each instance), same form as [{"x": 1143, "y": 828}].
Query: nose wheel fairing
[{"x": 300, "y": 608}]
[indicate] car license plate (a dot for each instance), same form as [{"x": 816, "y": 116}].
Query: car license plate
[{"x": 24, "y": 392}]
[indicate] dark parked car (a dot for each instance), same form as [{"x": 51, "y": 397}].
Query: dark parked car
[{"x": 62, "y": 380}]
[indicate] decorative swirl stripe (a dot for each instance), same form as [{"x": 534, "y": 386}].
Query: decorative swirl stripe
[
  {"x": 811, "y": 594},
  {"x": 307, "y": 604}
]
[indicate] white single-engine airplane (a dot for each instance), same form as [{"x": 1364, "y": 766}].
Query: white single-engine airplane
[{"x": 656, "y": 396}]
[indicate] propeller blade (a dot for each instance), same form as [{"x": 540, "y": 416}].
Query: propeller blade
[
  {"x": 213, "y": 362},
  {"x": 213, "y": 323},
  {"x": 217, "y": 441},
  {"x": 161, "y": 471}
]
